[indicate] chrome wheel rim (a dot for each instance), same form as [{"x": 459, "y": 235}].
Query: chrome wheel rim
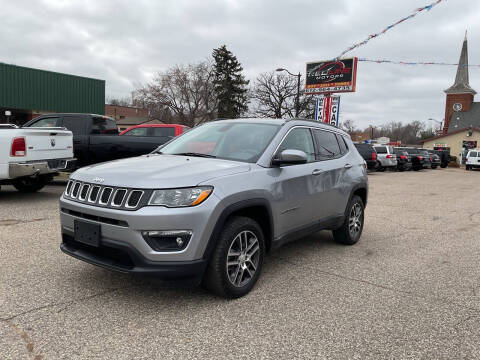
[
  {"x": 243, "y": 258},
  {"x": 355, "y": 220}
]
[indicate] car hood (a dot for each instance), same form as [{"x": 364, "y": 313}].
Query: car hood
[{"x": 156, "y": 171}]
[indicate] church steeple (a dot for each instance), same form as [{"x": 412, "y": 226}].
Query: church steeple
[{"x": 461, "y": 85}]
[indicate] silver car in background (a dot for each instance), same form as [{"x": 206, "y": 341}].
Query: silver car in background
[
  {"x": 211, "y": 203},
  {"x": 386, "y": 157}
]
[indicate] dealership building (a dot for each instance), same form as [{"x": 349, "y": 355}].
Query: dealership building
[
  {"x": 26, "y": 93},
  {"x": 461, "y": 129}
]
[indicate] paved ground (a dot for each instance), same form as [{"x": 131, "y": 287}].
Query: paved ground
[{"x": 409, "y": 289}]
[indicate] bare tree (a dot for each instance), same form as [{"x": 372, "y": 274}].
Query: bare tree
[
  {"x": 184, "y": 94},
  {"x": 349, "y": 127},
  {"x": 275, "y": 96},
  {"x": 119, "y": 101}
]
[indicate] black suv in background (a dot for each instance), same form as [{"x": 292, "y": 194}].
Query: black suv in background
[
  {"x": 434, "y": 159},
  {"x": 418, "y": 161},
  {"x": 369, "y": 154},
  {"x": 404, "y": 159},
  {"x": 427, "y": 158}
]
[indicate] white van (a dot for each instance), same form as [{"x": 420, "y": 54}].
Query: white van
[{"x": 473, "y": 159}]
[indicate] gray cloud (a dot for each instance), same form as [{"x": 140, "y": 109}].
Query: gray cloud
[{"x": 125, "y": 42}]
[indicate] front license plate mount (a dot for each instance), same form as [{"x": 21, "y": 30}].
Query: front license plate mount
[{"x": 87, "y": 233}]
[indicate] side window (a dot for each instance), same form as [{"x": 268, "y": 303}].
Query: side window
[
  {"x": 163, "y": 131},
  {"x": 141, "y": 131},
  {"x": 75, "y": 125},
  {"x": 47, "y": 122},
  {"x": 343, "y": 144},
  {"x": 299, "y": 139},
  {"x": 327, "y": 145},
  {"x": 104, "y": 125}
]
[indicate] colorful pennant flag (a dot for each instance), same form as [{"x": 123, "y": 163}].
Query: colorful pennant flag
[
  {"x": 370, "y": 37},
  {"x": 384, "y": 61}
]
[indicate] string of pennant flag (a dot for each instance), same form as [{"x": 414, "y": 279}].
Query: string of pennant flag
[
  {"x": 370, "y": 37},
  {"x": 384, "y": 61}
]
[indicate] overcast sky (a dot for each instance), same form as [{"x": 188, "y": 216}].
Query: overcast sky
[{"x": 125, "y": 42}]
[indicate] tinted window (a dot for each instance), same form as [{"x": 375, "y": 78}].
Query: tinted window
[
  {"x": 473, "y": 154},
  {"x": 163, "y": 131},
  {"x": 412, "y": 151},
  {"x": 75, "y": 125},
  {"x": 104, "y": 125},
  {"x": 225, "y": 140},
  {"x": 47, "y": 122},
  {"x": 137, "y": 132},
  {"x": 299, "y": 139},
  {"x": 327, "y": 145},
  {"x": 381, "y": 149},
  {"x": 343, "y": 144}
]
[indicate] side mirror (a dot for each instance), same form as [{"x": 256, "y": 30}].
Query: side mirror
[{"x": 290, "y": 157}]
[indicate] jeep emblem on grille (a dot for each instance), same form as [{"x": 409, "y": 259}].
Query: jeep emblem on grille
[
  {"x": 99, "y": 179},
  {"x": 52, "y": 141}
]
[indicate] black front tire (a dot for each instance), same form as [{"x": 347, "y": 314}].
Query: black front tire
[
  {"x": 31, "y": 184},
  {"x": 344, "y": 235},
  {"x": 434, "y": 166},
  {"x": 217, "y": 278}
]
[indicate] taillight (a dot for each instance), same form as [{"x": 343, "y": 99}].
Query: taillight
[
  {"x": 389, "y": 156},
  {"x": 374, "y": 156},
  {"x": 18, "y": 147},
  {"x": 403, "y": 156},
  {"x": 419, "y": 158},
  {"x": 431, "y": 159}
]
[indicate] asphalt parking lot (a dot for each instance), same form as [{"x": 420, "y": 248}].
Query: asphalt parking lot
[{"x": 409, "y": 289}]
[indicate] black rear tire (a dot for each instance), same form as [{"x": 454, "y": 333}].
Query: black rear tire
[
  {"x": 31, "y": 184},
  {"x": 218, "y": 276},
  {"x": 345, "y": 235}
]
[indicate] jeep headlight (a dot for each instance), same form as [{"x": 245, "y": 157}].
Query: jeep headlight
[{"x": 180, "y": 197}]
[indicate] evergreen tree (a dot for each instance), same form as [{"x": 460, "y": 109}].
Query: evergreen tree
[{"x": 230, "y": 85}]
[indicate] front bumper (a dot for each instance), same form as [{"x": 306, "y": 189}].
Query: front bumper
[
  {"x": 126, "y": 227},
  {"x": 16, "y": 170},
  {"x": 122, "y": 257}
]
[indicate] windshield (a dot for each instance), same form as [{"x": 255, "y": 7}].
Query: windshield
[{"x": 232, "y": 141}]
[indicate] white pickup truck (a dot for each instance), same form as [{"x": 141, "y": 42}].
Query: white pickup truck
[{"x": 30, "y": 157}]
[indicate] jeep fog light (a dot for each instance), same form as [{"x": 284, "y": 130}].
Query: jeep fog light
[{"x": 168, "y": 240}]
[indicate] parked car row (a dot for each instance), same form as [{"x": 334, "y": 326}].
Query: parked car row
[{"x": 383, "y": 157}]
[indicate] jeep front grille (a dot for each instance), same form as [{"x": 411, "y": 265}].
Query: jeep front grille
[{"x": 106, "y": 196}]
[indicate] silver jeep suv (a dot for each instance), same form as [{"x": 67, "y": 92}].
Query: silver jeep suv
[{"x": 208, "y": 205}]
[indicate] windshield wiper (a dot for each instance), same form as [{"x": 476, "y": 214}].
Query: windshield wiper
[{"x": 195, "y": 154}]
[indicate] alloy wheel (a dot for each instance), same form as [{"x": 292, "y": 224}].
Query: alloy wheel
[
  {"x": 243, "y": 258},
  {"x": 355, "y": 220}
]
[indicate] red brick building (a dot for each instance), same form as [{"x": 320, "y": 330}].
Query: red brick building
[{"x": 460, "y": 110}]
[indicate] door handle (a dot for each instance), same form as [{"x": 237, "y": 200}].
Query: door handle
[
  {"x": 348, "y": 166},
  {"x": 317, "y": 172}
]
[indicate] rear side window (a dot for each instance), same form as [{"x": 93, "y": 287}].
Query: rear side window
[
  {"x": 343, "y": 144},
  {"x": 75, "y": 125},
  {"x": 47, "y": 122},
  {"x": 327, "y": 145},
  {"x": 103, "y": 125},
  {"x": 381, "y": 149},
  {"x": 137, "y": 132},
  {"x": 299, "y": 139},
  {"x": 162, "y": 131}
]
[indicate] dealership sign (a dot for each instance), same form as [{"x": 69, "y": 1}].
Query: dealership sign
[
  {"x": 327, "y": 109},
  {"x": 331, "y": 76}
]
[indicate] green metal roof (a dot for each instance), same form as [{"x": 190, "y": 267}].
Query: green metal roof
[{"x": 34, "y": 89}]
